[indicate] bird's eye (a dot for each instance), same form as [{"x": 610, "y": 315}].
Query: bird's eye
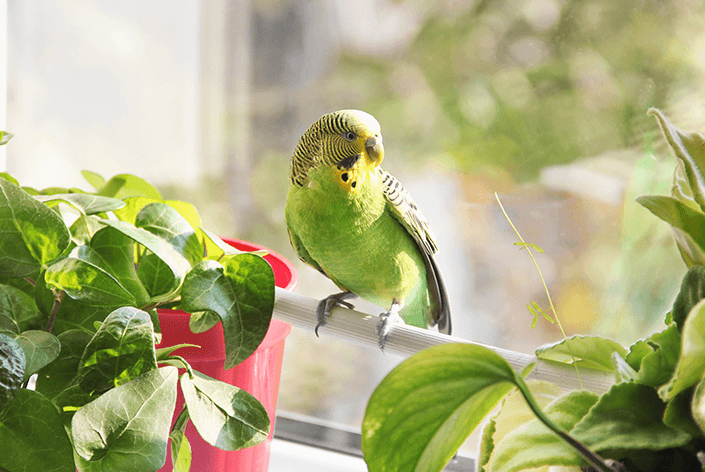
[{"x": 350, "y": 136}]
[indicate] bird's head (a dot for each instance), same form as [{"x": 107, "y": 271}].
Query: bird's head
[{"x": 350, "y": 141}]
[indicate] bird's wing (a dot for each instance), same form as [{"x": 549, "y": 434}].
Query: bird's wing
[{"x": 402, "y": 206}]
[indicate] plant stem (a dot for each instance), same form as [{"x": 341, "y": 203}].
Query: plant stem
[
  {"x": 58, "y": 296},
  {"x": 31, "y": 281},
  {"x": 545, "y": 287}
]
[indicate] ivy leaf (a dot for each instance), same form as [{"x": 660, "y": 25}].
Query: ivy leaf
[
  {"x": 5, "y": 137},
  {"x": 121, "y": 350},
  {"x": 40, "y": 348},
  {"x": 72, "y": 314},
  {"x": 33, "y": 436},
  {"x": 112, "y": 251},
  {"x": 61, "y": 373},
  {"x": 175, "y": 262},
  {"x": 20, "y": 308},
  {"x": 33, "y": 233},
  {"x": 225, "y": 416},
  {"x": 126, "y": 185},
  {"x": 83, "y": 229},
  {"x": 127, "y": 427},
  {"x": 691, "y": 363},
  {"x": 241, "y": 294},
  {"x": 85, "y": 203},
  {"x": 163, "y": 221},
  {"x": 95, "y": 180},
  {"x": 427, "y": 406},
  {"x": 590, "y": 352},
  {"x": 87, "y": 282},
  {"x": 12, "y": 368}
]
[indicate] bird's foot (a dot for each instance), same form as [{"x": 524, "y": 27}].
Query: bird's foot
[
  {"x": 385, "y": 323},
  {"x": 326, "y": 305}
]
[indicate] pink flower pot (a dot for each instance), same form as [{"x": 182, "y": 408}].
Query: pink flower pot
[{"x": 259, "y": 374}]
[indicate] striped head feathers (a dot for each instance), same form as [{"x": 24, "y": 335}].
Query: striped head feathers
[{"x": 349, "y": 140}]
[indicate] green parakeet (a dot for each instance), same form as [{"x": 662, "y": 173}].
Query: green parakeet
[{"x": 355, "y": 223}]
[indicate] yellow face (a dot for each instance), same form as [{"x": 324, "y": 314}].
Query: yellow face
[{"x": 357, "y": 148}]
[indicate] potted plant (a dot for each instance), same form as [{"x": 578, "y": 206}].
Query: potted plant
[
  {"x": 84, "y": 277},
  {"x": 651, "y": 419}
]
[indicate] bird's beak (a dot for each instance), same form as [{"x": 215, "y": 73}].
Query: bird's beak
[{"x": 375, "y": 149}]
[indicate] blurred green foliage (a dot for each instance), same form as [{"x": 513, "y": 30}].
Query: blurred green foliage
[{"x": 523, "y": 85}]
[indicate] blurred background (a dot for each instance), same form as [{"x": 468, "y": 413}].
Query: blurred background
[{"x": 541, "y": 101}]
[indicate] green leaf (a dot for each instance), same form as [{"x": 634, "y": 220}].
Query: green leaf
[
  {"x": 70, "y": 400},
  {"x": 121, "y": 350},
  {"x": 40, "y": 348},
  {"x": 72, "y": 314},
  {"x": 180, "y": 451},
  {"x": 241, "y": 294},
  {"x": 95, "y": 180},
  {"x": 6, "y": 176},
  {"x": 678, "y": 414},
  {"x": 164, "y": 221},
  {"x": 627, "y": 418},
  {"x": 202, "y": 321},
  {"x": 698, "y": 405},
  {"x": 691, "y": 292},
  {"x": 690, "y": 149},
  {"x": 216, "y": 248},
  {"x": 513, "y": 413},
  {"x": 33, "y": 233},
  {"x": 20, "y": 308},
  {"x": 113, "y": 252},
  {"x": 657, "y": 366},
  {"x": 590, "y": 352},
  {"x": 83, "y": 229},
  {"x": 225, "y": 416},
  {"x": 687, "y": 224},
  {"x": 534, "y": 445},
  {"x": 33, "y": 437},
  {"x": 691, "y": 364},
  {"x": 176, "y": 263},
  {"x": 127, "y": 427},
  {"x": 164, "y": 352},
  {"x": 425, "y": 408},
  {"x": 623, "y": 371},
  {"x": 126, "y": 185},
  {"x": 5, "y": 137},
  {"x": 87, "y": 282},
  {"x": 85, "y": 203},
  {"x": 62, "y": 372},
  {"x": 12, "y": 367}
]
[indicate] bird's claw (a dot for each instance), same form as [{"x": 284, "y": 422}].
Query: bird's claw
[
  {"x": 386, "y": 320},
  {"x": 323, "y": 311}
]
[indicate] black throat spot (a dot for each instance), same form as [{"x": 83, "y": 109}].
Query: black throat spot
[{"x": 348, "y": 162}]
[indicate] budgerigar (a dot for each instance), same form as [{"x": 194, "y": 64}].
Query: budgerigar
[{"x": 355, "y": 223}]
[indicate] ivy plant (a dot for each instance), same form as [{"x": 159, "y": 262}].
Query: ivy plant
[
  {"x": 651, "y": 419},
  {"x": 81, "y": 277}
]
